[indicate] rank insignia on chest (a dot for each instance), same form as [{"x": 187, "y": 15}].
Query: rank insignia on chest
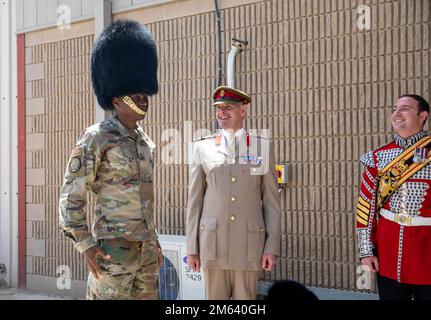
[{"x": 420, "y": 155}]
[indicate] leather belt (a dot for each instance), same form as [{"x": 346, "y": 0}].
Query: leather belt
[{"x": 405, "y": 219}]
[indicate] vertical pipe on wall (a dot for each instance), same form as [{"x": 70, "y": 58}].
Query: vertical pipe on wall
[
  {"x": 219, "y": 58},
  {"x": 21, "y": 163}
]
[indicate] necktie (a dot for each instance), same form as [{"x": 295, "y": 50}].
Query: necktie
[{"x": 232, "y": 147}]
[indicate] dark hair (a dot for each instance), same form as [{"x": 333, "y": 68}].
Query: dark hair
[
  {"x": 290, "y": 291},
  {"x": 423, "y": 104}
]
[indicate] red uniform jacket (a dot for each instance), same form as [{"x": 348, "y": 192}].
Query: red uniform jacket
[{"x": 404, "y": 252}]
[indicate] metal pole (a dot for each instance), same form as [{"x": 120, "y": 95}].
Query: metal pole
[
  {"x": 237, "y": 47},
  {"x": 219, "y": 59}
]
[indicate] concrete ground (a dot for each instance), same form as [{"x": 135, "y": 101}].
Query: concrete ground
[
  {"x": 322, "y": 294},
  {"x": 15, "y": 294},
  {"x": 333, "y": 294}
]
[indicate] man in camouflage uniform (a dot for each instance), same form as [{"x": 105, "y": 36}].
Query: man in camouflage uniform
[{"x": 114, "y": 160}]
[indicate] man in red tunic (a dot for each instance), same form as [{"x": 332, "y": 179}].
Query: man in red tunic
[{"x": 394, "y": 207}]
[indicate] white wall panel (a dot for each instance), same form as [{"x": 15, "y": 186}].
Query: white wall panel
[
  {"x": 46, "y": 11},
  {"x": 37, "y": 14},
  {"x": 30, "y": 13},
  {"x": 87, "y": 7},
  {"x": 19, "y": 14},
  {"x": 8, "y": 141},
  {"x": 121, "y": 4},
  {"x": 75, "y": 7}
]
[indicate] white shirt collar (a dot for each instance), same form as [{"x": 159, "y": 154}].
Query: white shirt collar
[{"x": 238, "y": 133}]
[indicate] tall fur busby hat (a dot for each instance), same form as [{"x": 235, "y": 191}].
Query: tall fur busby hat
[{"x": 123, "y": 62}]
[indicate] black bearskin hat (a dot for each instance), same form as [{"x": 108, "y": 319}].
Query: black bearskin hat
[{"x": 124, "y": 61}]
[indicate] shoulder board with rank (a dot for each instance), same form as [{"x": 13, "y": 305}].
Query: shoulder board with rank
[{"x": 206, "y": 137}]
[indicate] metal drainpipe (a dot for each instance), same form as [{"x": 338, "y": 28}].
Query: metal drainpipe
[
  {"x": 237, "y": 47},
  {"x": 219, "y": 59}
]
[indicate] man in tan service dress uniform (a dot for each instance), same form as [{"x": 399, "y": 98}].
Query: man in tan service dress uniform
[{"x": 233, "y": 213}]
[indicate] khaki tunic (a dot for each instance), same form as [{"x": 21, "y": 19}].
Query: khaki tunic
[{"x": 233, "y": 212}]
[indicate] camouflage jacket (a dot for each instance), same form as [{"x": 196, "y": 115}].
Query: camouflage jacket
[{"x": 116, "y": 165}]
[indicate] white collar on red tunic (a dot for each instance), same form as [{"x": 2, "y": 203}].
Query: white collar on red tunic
[{"x": 407, "y": 142}]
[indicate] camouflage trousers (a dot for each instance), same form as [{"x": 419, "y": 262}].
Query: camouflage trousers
[{"x": 131, "y": 273}]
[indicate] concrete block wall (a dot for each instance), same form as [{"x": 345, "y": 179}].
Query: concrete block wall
[
  {"x": 59, "y": 106},
  {"x": 322, "y": 87}
]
